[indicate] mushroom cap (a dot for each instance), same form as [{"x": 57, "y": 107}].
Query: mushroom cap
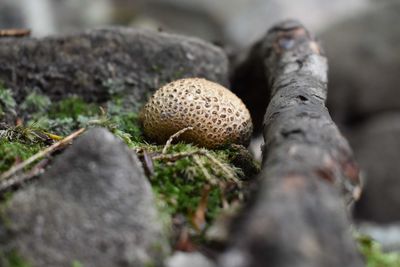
[{"x": 218, "y": 116}]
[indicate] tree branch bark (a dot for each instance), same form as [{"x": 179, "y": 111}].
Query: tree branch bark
[{"x": 298, "y": 216}]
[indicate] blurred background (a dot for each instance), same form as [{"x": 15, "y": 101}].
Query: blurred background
[
  {"x": 361, "y": 39},
  {"x": 236, "y": 23}
]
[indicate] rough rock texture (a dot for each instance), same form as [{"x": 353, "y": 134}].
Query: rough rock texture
[
  {"x": 298, "y": 217},
  {"x": 217, "y": 116},
  {"x": 104, "y": 62},
  {"x": 93, "y": 206},
  {"x": 364, "y": 98}
]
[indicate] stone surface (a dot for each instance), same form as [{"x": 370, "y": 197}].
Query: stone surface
[
  {"x": 100, "y": 63},
  {"x": 377, "y": 147},
  {"x": 364, "y": 99},
  {"x": 364, "y": 58},
  {"x": 193, "y": 259},
  {"x": 94, "y": 206}
]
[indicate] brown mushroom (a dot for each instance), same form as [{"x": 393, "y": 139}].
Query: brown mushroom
[{"x": 217, "y": 116}]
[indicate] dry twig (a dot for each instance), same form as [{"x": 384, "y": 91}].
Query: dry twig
[
  {"x": 15, "y": 32},
  {"x": 19, "y": 179},
  {"x": 40, "y": 154},
  {"x": 175, "y": 135},
  {"x": 179, "y": 155}
]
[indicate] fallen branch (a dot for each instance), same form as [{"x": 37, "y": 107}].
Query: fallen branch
[
  {"x": 15, "y": 32},
  {"x": 13, "y": 170},
  {"x": 297, "y": 216}
]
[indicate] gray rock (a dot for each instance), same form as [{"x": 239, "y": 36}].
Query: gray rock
[
  {"x": 100, "y": 63},
  {"x": 93, "y": 206},
  {"x": 364, "y": 59},
  {"x": 377, "y": 147},
  {"x": 193, "y": 259},
  {"x": 364, "y": 98}
]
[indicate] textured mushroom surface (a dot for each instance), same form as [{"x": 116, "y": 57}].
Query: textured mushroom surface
[{"x": 217, "y": 115}]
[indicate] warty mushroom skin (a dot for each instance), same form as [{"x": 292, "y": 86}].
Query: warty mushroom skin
[{"x": 217, "y": 116}]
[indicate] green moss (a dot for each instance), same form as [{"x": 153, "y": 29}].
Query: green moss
[
  {"x": 76, "y": 263},
  {"x": 185, "y": 180},
  {"x": 59, "y": 126},
  {"x": 374, "y": 256},
  {"x": 11, "y": 152},
  {"x": 115, "y": 87},
  {"x": 35, "y": 102},
  {"x": 149, "y": 264},
  {"x": 13, "y": 259},
  {"x": 7, "y": 102},
  {"x": 72, "y": 107},
  {"x": 156, "y": 68},
  {"x": 181, "y": 177},
  {"x": 5, "y": 222}
]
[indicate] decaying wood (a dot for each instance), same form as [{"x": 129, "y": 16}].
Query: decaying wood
[
  {"x": 299, "y": 133},
  {"x": 298, "y": 216}
]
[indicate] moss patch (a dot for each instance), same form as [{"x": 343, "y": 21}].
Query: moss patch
[
  {"x": 72, "y": 107},
  {"x": 13, "y": 152},
  {"x": 188, "y": 181},
  {"x": 35, "y": 102},
  {"x": 76, "y": 263},
  {"x": 373, "y": 254},
  {"x": 7, "y": 102},
  {"x": 13, "y": 259},
  {"x": 187, "y": 175}
]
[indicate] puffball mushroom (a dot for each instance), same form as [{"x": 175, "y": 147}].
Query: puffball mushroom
[{"x": 216, "y": 115}]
